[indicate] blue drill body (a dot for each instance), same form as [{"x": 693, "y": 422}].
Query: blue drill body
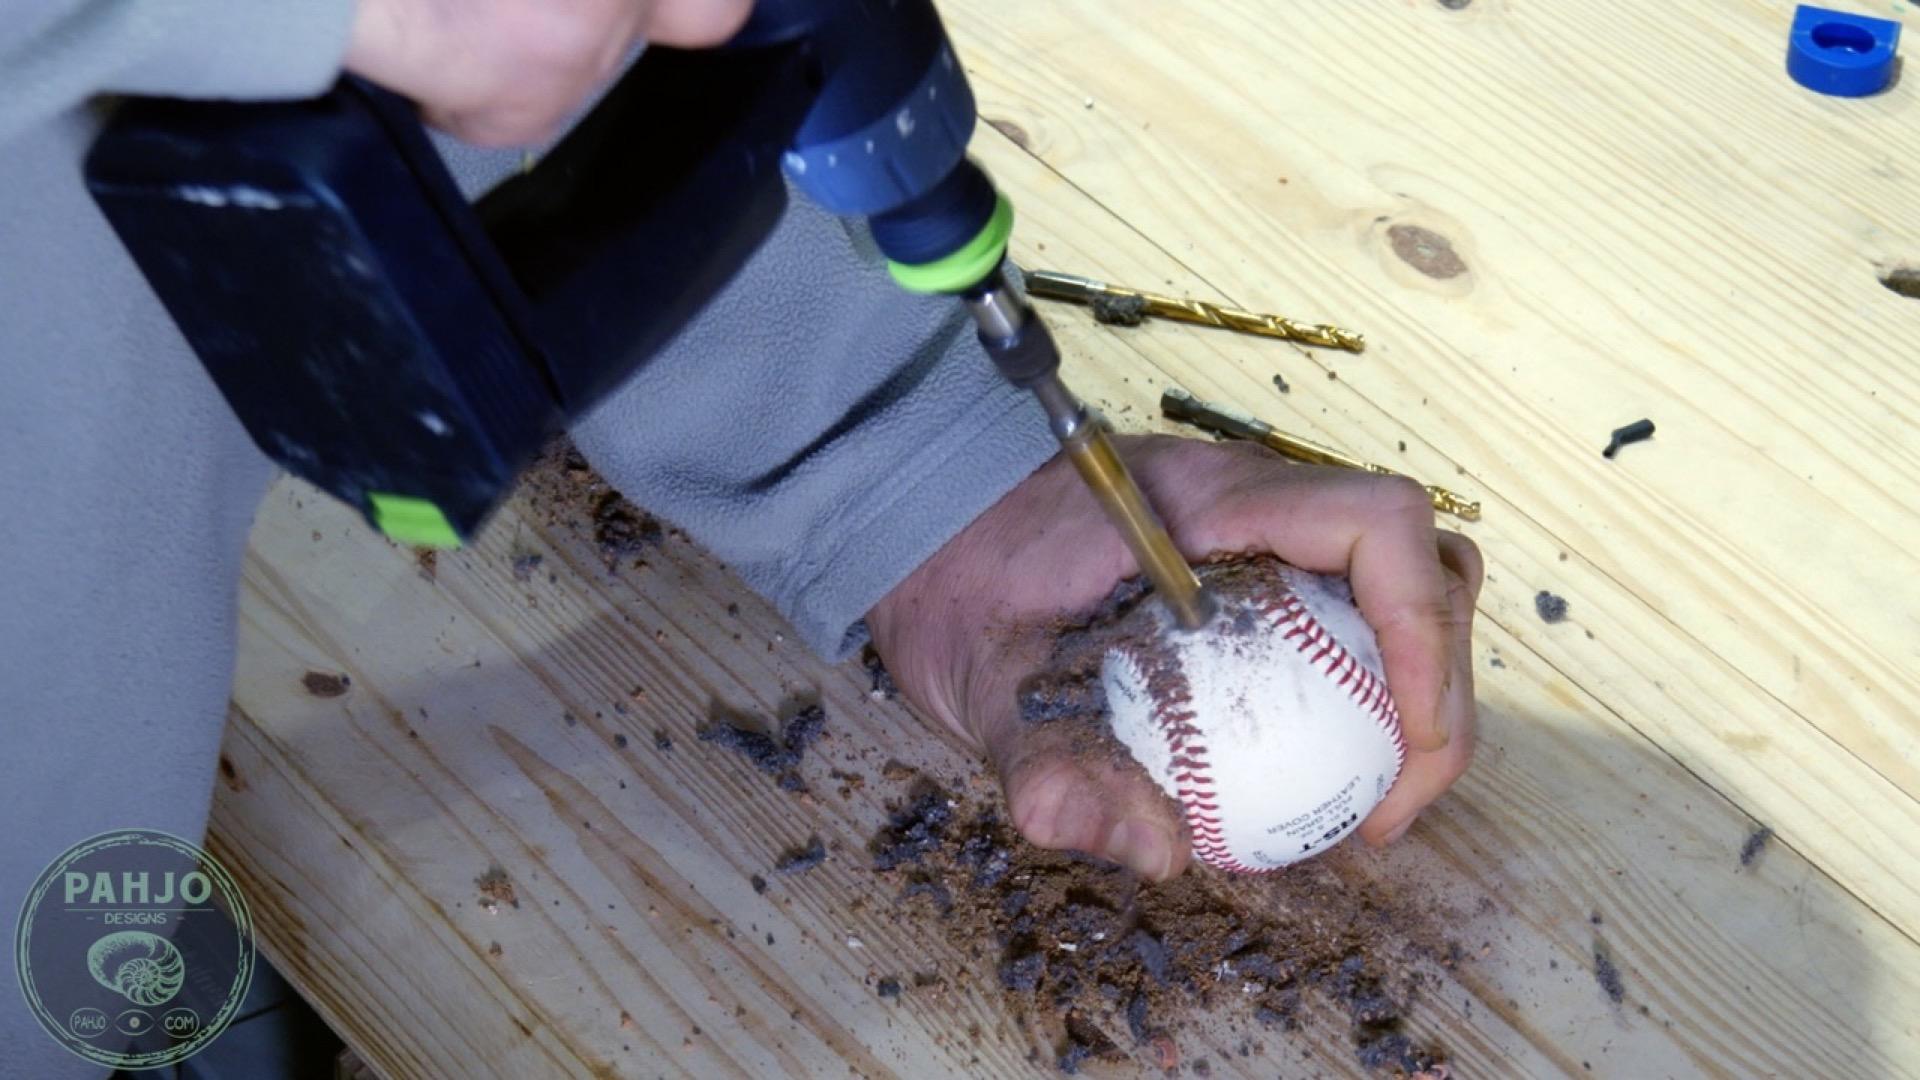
[{"x": 410, "y": 352}]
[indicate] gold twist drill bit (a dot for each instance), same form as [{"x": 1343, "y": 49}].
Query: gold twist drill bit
[
  {"x": 1129, "y": 304},
  {"x": 1182, "y": 406}
]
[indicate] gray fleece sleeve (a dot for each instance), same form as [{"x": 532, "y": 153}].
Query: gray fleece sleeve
[
  {"x": 820, "y": 430},
  {"x": 55, "y": 54},
  {"x": 128, "y": 484}
]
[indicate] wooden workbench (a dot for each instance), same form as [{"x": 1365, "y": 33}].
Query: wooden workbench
[{"x": 1645, "y": 218}]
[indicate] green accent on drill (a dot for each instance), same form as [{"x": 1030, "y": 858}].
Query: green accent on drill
[
  {"x": 412, "y": 521},
  {"x": 964, "y": 268}
]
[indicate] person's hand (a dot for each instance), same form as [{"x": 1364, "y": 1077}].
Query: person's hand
[
  {"x": 948, "y": 633},
  {"x": 507, "y": 72}
]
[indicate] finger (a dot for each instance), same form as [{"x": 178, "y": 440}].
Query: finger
[
  {"x": 1462, "y": 556},
  {"x": 1428, "y": 774},
  {"x": 1466, "y": 572},
  {"x": 692, "y": 24},
  {"x": 1063, "y": 797},
  {"x": 1379, "y": 532},
  {"x": 1401, "y": 589},
  {"x": 1424, "y": 777},
  {"x": 494, "y": 126}
]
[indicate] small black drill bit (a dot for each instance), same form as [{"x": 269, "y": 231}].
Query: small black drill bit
[{"x": 1632, "y": 433}]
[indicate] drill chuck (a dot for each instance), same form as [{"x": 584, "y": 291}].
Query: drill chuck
[
  {"x": 887, "y": 141},
  {"x": 894, "y": 111},
  {"x": 1018, "y": 343}
]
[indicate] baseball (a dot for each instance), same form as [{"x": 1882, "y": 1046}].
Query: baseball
[{"x": 1271, "y": 726}]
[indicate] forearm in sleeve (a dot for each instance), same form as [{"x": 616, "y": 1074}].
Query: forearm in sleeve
[
  {"x": 55, "y": 54},
  {"x": 820, "y": 430}
]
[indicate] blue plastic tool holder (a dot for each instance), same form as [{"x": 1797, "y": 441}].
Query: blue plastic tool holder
[{"x": 1841, "y": 55}]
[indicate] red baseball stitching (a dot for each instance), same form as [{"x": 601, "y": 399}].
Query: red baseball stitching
[
  {"x": 1366, "y": 689},
  {"x": 1173, "y": 697}
]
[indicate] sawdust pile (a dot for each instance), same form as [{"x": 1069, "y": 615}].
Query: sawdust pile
[{"x": 1118, "y": 962}]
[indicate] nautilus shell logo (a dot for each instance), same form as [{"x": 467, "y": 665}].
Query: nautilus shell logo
[
  {"x": 135, "y": 949},
  {"x": 143, "y": 967}
]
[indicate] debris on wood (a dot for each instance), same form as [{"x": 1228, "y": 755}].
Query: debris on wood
[
  {"x": 778, "y": 758},
  {"x": 621, "y": 529},
  {"x": 1606, "y": 974},
  {"x": 496, "y": 888},
  {"x": 801, "y": 860},
  {"x": 883, "y": 687},
  {"x": 914, "y": 832},
  {"x": 325, "y": 684},
  {"x": 1638, "y": 431},
  {"x": 1085, "y": 1041},
  {"x": 1071, "y": 936},
  {"x": 1551, "y": 608}
]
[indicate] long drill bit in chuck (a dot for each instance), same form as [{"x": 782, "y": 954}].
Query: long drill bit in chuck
[
  {"x": 1225, "y": 420},
  {"x": 1137, "y": 302},
  {"x": 1083, "y": 437},
  {"x": 1025, "y": 354}
]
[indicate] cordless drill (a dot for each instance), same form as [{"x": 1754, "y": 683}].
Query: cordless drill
[{"x": 410, "y": 352}]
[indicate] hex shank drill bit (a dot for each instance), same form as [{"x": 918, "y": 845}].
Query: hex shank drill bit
[
  {"x": 1083, "y": 438},
  {"x": 1180, "y": 405},
  {"x": 1025, "y": 354},
  {"x": 1057, "y": 286}
]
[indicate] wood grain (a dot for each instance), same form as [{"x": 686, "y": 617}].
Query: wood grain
[
  {"x": 361, "y": 825},
  {"x": 1627, "y": 255},
  {"x": 1651, "y": 221}
]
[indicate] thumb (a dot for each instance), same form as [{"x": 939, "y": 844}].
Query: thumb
[
  {"x": 689, "y": 24},
  {"x": 1066, "y": 789}
]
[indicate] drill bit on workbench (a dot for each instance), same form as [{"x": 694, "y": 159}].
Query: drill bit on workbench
[
  {"x": 1138, "y": 302},
  {"x": 1180, "y": 405}
]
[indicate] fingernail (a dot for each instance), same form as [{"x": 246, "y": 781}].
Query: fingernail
[
  {"x": 1398, "y": 831},
  {"x": 1141, "y": 845}
]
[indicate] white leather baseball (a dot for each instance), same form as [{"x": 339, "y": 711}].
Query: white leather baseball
[{"x": 1272, "y": 726}]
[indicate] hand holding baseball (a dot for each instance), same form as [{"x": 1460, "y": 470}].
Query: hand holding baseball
[{"x": 1046, "y": 551}]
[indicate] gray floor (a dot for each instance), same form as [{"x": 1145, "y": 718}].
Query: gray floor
[{"x": 276, "y": 1036}]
